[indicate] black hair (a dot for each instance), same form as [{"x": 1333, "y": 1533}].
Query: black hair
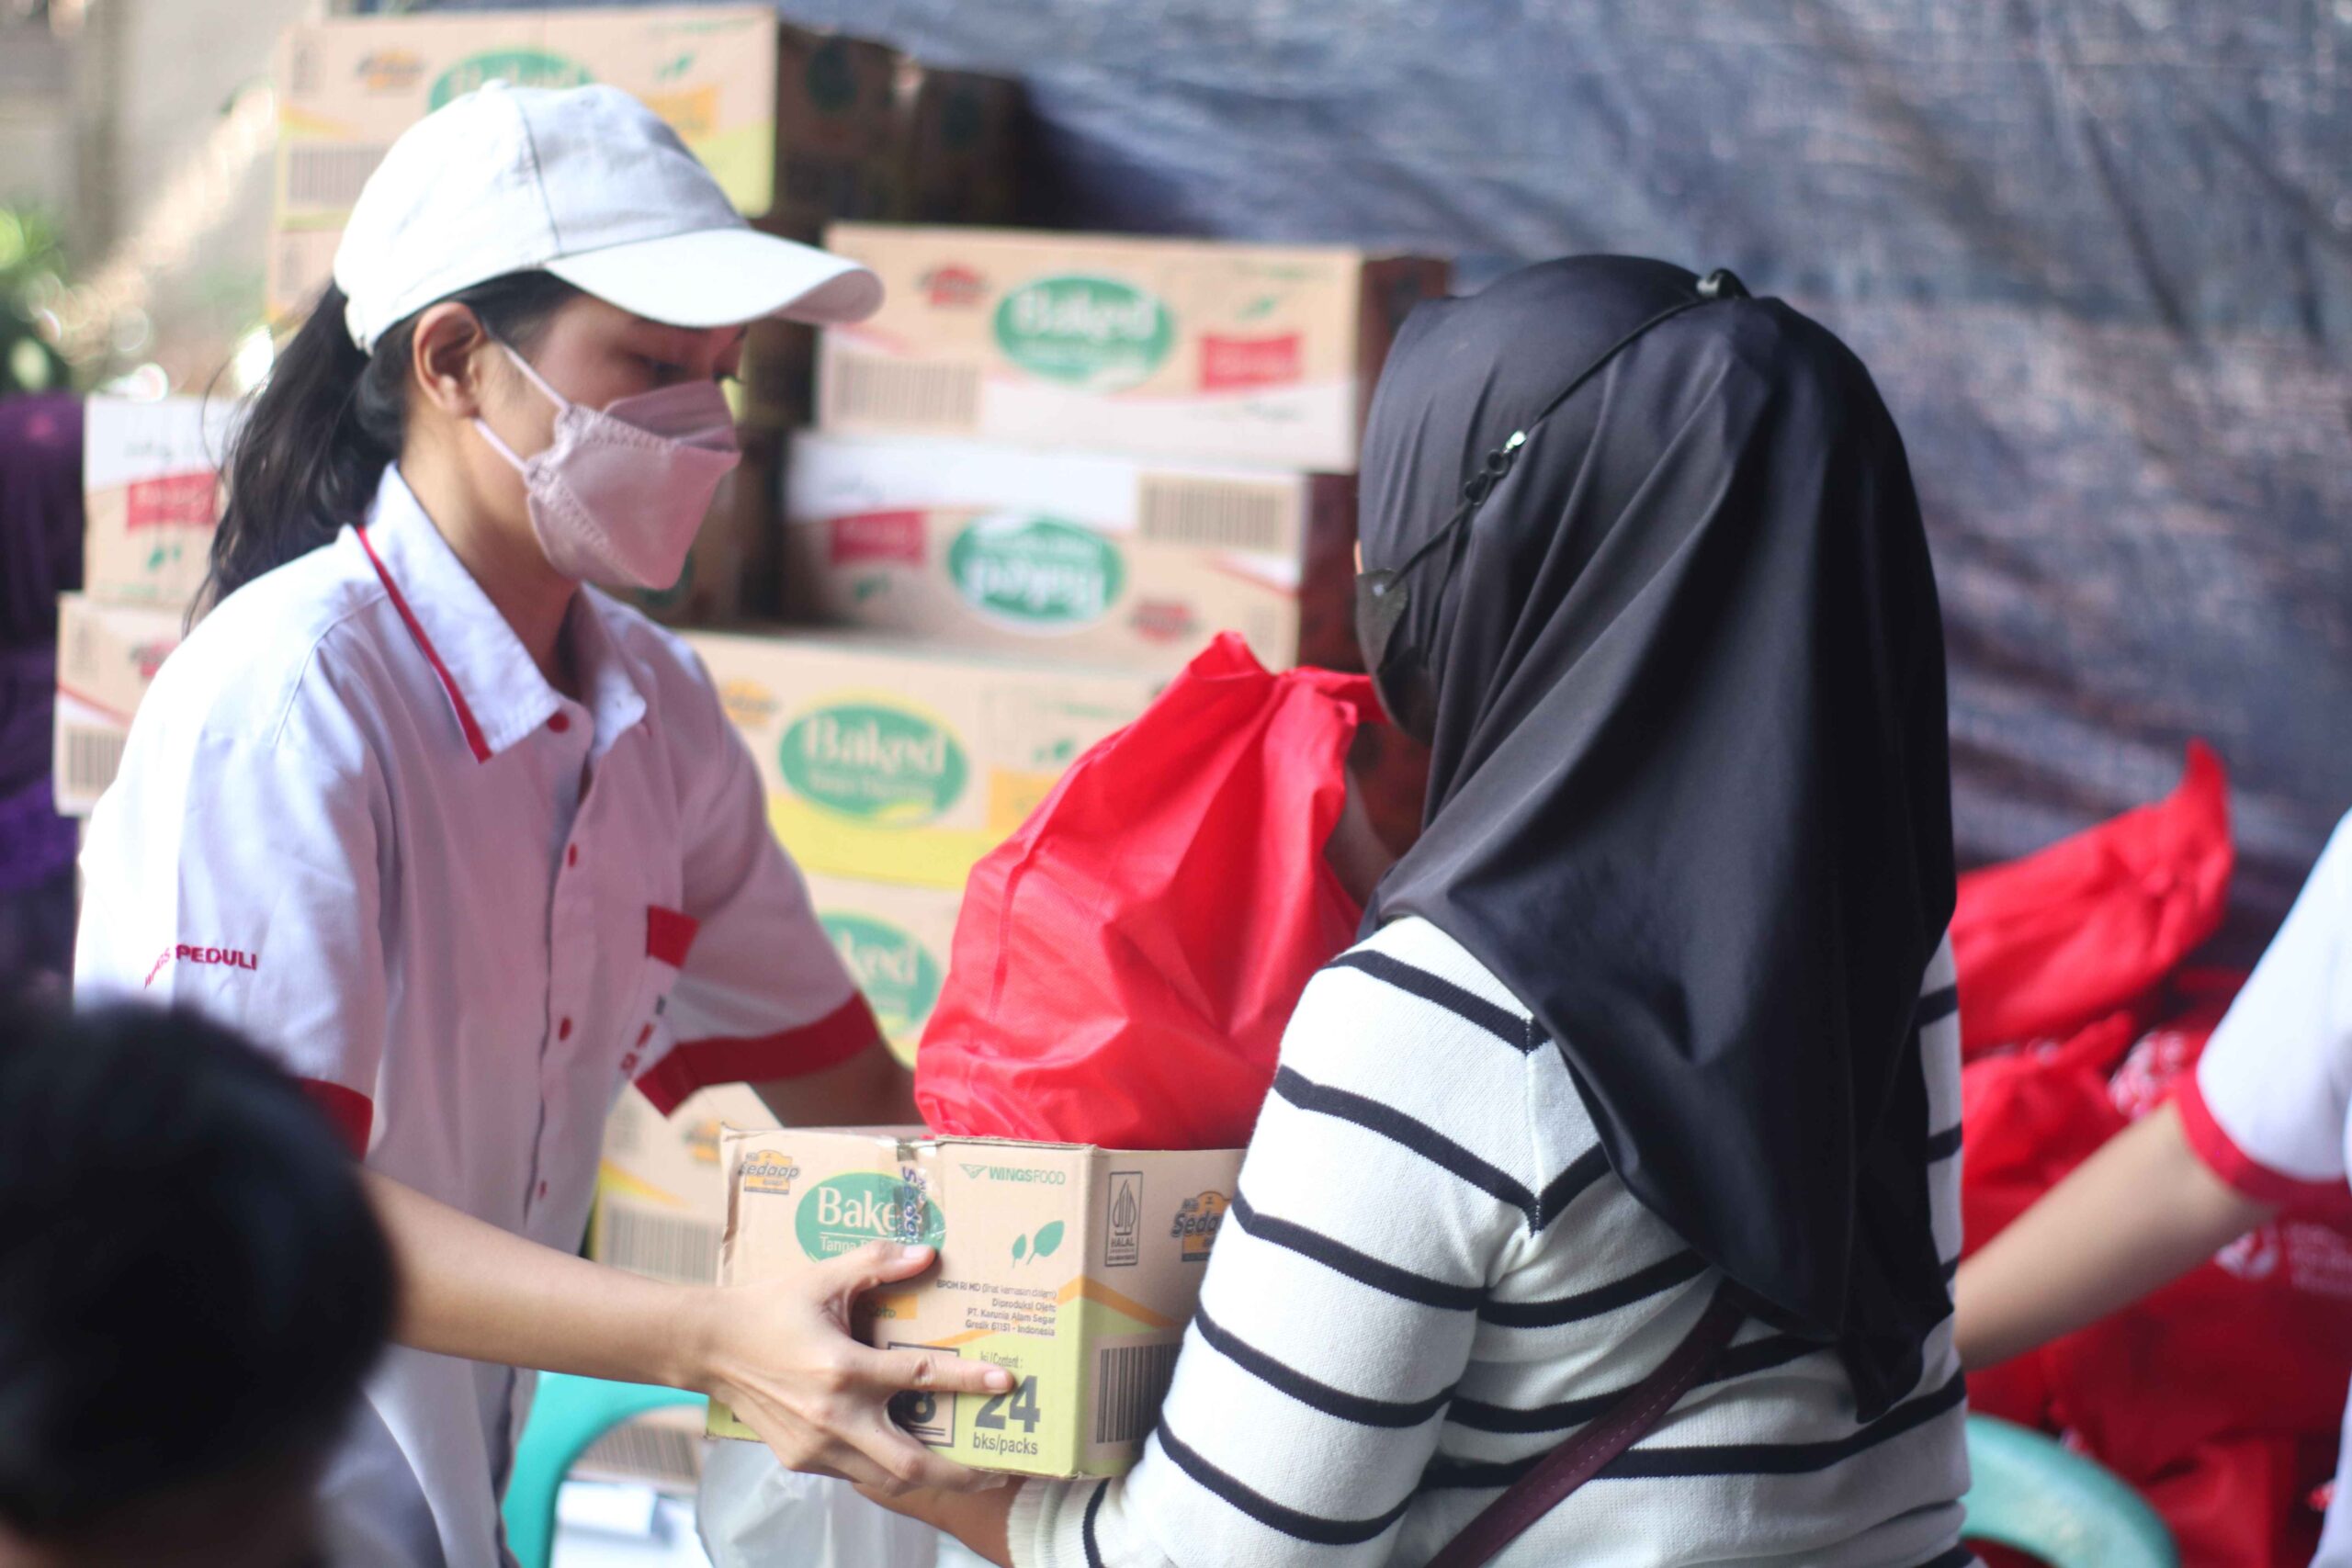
[
  {"x": 192, "y": 1282},
  {"x": 314, "y": 439}
]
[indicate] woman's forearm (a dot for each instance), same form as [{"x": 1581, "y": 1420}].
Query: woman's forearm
[
  {"x": 2134, "y": 1217},
  {"x": 470, "y": 1289}
]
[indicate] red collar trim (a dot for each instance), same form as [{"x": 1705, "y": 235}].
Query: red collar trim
[{"x": 407, "y": 618}]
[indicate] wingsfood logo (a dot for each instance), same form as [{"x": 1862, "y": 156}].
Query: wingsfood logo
[{"x": 187, "y": 952}]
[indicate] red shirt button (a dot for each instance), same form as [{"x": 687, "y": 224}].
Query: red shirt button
[
  {"x": 560, "y": 723},
  {"x": 543, "y": 1189},
  {"x": 645, "y": 1034},
  {"x": 563, "y": 1029},
  {"x": 571, "y": 855}
]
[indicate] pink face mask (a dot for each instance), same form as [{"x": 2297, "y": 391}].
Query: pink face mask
[{"x": 617, "y": 497}]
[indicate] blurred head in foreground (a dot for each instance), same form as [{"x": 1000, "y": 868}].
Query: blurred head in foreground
[{"x": 192, "y": 1287}]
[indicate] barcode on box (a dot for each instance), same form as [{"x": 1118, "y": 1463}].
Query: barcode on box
[
  {"x": 902, "y": 393},
  {"x": 329, "y": 174},
  {"x": 93, "y": 757},
  {"x": 1133, "y": 1381},
  {"x": 666, "y": 1457},
  {"x": 1223, "y": 514},
  {"x": 684, "y": 1251}
]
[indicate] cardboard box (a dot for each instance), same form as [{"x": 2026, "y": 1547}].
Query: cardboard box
[
  {"x": 661, "y": 1194},
  {"x": 151, "y": 496},
  {"x": 85, "y": 754},
  {"x": 961, "y": 137},
  {"x": 1111, "y": 559},
  {"x": 107, "y": 655},
  {"x": 895, "y": 939},
  {"x": 893, "y": 763},
  {"x": 797, "y": 126},
  {"x": 661, "y": 1190},
  {"x": 1076, "y": 1269},
  {"x": 1246, "y": 354}
]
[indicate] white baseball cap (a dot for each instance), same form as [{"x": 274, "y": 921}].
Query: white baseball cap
[{"x": 585, "y": 183}]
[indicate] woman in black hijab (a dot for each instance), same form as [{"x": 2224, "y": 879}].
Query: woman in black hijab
[
  {"x": 1682, "y": 678},
  {"x": 1601, "y": 1209}
]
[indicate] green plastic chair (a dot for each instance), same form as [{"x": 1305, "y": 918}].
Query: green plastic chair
[
  {"x": 2038, "y": 1496},
  {"x": 567, "y": 1414}
]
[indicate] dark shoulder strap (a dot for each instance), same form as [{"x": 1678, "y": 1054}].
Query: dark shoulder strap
[{"x": 1577, "y": 1460}]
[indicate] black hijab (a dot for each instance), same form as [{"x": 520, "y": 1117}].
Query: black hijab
[{"x": 1689, "y": 797}]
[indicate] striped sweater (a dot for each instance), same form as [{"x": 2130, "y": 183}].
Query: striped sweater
[{"x": 1430, "y": 1277}]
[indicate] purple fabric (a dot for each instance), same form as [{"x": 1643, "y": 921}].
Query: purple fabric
[
  {"x": 40, "y": 556},
  {"x": 40, "y": 514}
]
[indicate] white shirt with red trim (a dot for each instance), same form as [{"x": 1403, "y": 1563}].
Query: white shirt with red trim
[
  {"x": 354, "y": 820},
  {"x": 2269, "y": 1108}
]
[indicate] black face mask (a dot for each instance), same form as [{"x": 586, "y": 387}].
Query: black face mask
[{"x": 1400, "y": 676}]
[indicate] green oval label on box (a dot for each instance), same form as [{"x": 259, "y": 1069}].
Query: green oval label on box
[
  {"x": 898, "y": 974},
  {"x": 1037, "y": 573},
  {"x": 522, "y": 67},
  {"x": 1095, "y": 333},
  {"x": 845, "y": 1214},
  {"x": 882, "y": 765}
]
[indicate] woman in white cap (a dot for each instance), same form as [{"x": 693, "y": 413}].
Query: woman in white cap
[{"x": 470, "y": 847}]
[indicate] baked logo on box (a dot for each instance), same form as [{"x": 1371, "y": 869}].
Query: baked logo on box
[
  {"x": 769, "y": 1174},
  {"x": 952, "y": 288},
  {"x": 516, "y": 67},
  {"x": 1095, "y": 333},
  {"x": 1196, "y": 1225},
  {"x": 1034, "y": 573},
  {"x": 874, "y": 763},
  {"x": 898, "y": 974},
  {"x": 1122, "y": 1226},
  {"x": 845, "y": 1212}
]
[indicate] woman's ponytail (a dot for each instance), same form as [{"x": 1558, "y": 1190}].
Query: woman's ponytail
[{"x": 314, "y": 441}]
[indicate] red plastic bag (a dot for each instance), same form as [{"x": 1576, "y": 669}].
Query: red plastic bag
[
  {"x": 1125, "y": 964},
  {"x": 2219, "y": 1396},
  {"x": 2048, "y": 944}
]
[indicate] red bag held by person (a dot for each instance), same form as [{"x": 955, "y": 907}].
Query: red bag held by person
[
  {"x": 2049, "y": 944},
  {"x": 1125, "y": 964}
]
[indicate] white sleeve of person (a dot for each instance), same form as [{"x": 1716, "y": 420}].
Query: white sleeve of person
[
  {"x": 233, "y": 868},
  {"x": 2267, "y": 1109},
  {"x": 1335, "y": 1318},
  {"x": 761, "y": 994}
]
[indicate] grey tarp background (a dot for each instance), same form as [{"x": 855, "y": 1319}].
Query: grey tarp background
[{"x": 2099, "y": 253}]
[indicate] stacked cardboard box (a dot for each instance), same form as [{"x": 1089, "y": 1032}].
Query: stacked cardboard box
[
  {"x": 1053, "y": 465},
  {"x": 150, "y": 498},
  {"x": 800, "y": 127}
]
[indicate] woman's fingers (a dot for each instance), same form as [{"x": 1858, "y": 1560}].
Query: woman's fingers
[
  {"x": 877, "y": 1263},
  {"x": 911, "y": 1465},
  {"x": 931, "y": 1372}
]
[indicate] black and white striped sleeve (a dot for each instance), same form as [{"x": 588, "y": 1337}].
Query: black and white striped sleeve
[{"x": 1392, "y": 1168}]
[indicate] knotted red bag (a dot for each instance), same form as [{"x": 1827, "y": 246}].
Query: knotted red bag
[
  {"x": 2049, "y": 944},
  {"x": 1125, "y": 964}
]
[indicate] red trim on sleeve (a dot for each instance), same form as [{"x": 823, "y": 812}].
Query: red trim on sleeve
[
  {"x": 812, "y": 1048},
  {"x": 669, "y": 935},
  {"x": 2248, "y": 1175},
  {"x": 353, "y": 1113},
  {"x": 448, "y": 683}
]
